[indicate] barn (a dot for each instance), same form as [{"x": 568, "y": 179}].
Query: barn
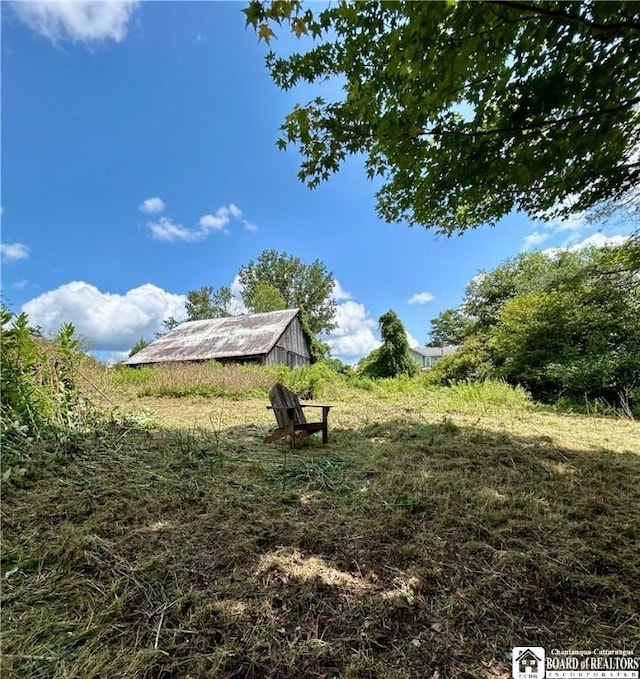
[{"x": 271, "y": 338}]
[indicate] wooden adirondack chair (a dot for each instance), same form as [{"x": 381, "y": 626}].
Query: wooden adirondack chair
[{"x": 291, "y": 419}]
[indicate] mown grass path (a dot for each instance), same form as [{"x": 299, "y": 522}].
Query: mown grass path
[{"x": 431, "y": 535}]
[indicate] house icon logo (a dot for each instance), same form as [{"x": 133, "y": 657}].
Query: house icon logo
[{"x": 528, "y": 662}]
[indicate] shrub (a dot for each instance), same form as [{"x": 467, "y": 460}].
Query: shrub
[
  {"x": 309, "y": 382},
  {"x": 471, "y": 362},
  {"x": 39, "y": 400}
]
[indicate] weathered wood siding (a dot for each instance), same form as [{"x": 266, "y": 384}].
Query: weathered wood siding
[{"x": 292, "y": 348}]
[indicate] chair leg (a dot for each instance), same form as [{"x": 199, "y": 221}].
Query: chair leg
[
  {"x": 292, "y": 434},
  {"x": 325, "y": 427}
]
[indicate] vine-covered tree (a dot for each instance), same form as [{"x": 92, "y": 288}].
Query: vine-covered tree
[
  {"x": 393, "y": 357},
  {"x": 467, "y": 110}
]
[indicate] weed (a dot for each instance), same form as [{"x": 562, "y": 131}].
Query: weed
[{"x": 40, "y": 400}]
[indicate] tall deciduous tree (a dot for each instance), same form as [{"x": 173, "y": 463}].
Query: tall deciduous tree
[
  {"x": 276, "y": 276},
  {"x": 208, "y": 302},
  {"x": 265, "y": 297},
  {"x": 451, "y": 327},
  {"x": 467, "y": 110}
]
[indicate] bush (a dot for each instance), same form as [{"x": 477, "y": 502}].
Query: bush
[
  {"x": 39, "y": 400},
  {"x": 309, "y": 382},
  {"x": 471, "y": 362},
  {"x": 611, "y": 377}
]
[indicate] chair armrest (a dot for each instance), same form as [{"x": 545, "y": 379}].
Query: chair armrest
[{"x": 313, "y": 405}]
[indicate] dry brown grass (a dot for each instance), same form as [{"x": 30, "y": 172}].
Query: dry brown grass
[{"x": 430, "y": 536}]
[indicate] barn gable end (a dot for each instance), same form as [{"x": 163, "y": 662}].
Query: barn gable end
[{"x": 291, "y": 348}]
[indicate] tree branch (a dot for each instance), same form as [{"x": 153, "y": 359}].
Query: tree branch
[
  {"x": 567, "y": 18},
  {"x": 535, "y": 126}
]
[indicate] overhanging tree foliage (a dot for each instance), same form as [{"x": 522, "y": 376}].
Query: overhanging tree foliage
[{"x": 468, "y": 110}]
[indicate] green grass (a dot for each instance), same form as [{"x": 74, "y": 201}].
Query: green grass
[{"x": 438, "y": 529}]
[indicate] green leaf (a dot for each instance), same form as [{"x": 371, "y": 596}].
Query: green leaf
[{"x": 265, "y": 33}]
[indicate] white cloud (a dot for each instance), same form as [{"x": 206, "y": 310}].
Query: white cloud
[
  {"x": 533, "y": 239},
  {"x": 167, "y": 230},
  {"x": 152, "y": 206},
  {"x": 77, "y": 20},
  {"x": 339, "y": 293},
  {"x": 222, "y": 217},
  {"x": 597, "y": 240},
  {"x": 12, "y": 252},
  {"x": 353, "y": 336},
  {"x": 421, "y": 298},
  {"x": 573, "y": 222},
  {"x": 234, "y": 211},
  {"x": 216, "y": 222},
  {"x": 238, "y": 306},
  {"x": 413, "y": 342},
  {"x": 110, "y": 322},
  {"x": 20, "y": 284},
  {"x": 114, "y": 357}
]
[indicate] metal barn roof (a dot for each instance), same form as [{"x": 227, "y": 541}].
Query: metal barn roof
[{"x": 230, "y": 337}]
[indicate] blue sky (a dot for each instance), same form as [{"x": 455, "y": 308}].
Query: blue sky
[{"x": 139, "y": 162}]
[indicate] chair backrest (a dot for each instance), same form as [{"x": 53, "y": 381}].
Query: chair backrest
[{"x": 281, "y": 400}]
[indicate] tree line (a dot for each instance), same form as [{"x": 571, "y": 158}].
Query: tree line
[{"x": 562, "y": 324}]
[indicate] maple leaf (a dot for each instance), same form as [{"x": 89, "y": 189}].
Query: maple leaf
[
  {"x": 254, "y": 12},
  {"x": 265, "y": 33},
  {"x": 299, "y": 27}
]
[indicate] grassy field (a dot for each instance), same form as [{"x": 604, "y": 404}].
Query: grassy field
[{"x": 438, "y": 529}]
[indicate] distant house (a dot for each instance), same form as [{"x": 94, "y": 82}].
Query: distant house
[
  {"x": 270, "y": 338},
  {"x": 426, "y": 357}
]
